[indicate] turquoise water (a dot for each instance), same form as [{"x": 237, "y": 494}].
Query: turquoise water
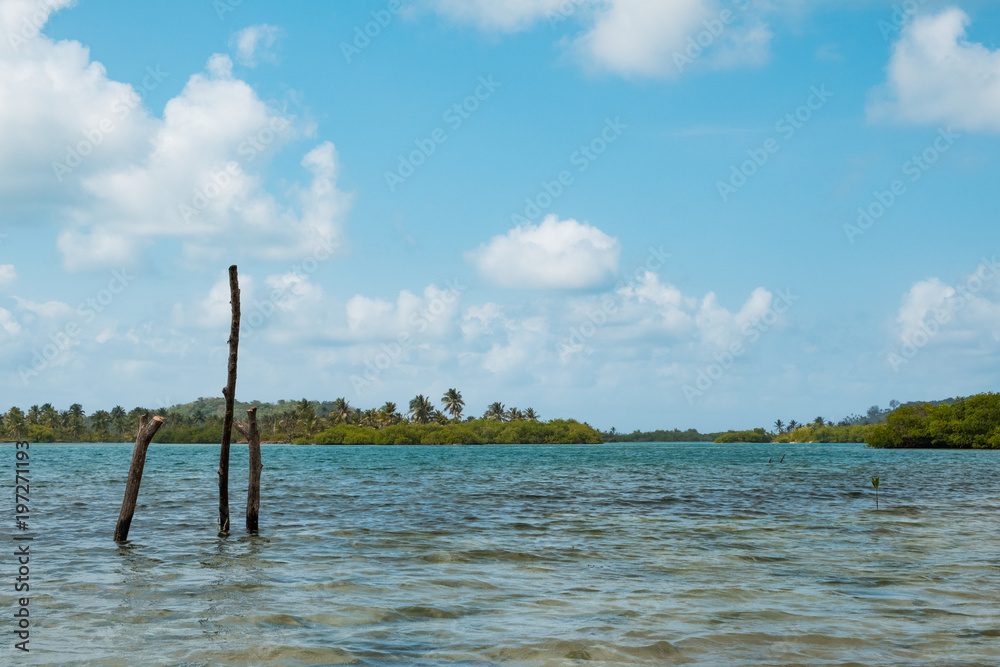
[{"x": 516, "y": 555}]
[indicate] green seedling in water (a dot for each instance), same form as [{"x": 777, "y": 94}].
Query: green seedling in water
[{"x": 875, "y": 484}]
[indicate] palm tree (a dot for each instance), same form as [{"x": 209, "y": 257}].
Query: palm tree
[
  {"x": 818, "y": 421},
  {"x": 387, "y": 414},
  {"x": 340, "y": 411},
  {"x": 48, "y": 417},
  {"x": 514, "y": 415},
  {"x": 133, "y": 420},
  {"x": 792, "y": 425},
  {"x": 15, "y": 422},
  {"x": 495, "y": 411},
  {"x": 286, "y": 421},
  {"x": 779, "y": 426},
  {"x": 532, "y": 416},
  {"x": 119, "y": 419},
  {"x": 100, "y": 421},
  {"x": 74, "y": 420},
  {"x": 305, "y": 417},
  {"x": 33, "y": 414},
  {"x": 453, "y": 403},
  {"x": 421, "y": 409}
]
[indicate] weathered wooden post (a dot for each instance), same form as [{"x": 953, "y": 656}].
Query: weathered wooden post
[
  {"x": 252, "y": 434},
  {"x": 147, "y": 429},
  {"x": 230, "y": 393}
]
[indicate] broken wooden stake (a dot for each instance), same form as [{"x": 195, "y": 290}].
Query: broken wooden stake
[
  {"x": 147, "y": 429},
  {"x": 230, "y": 393},
  {"x": 252, "y": 434}
]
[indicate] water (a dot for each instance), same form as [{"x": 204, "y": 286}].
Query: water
[{"x": 516, "y": 555}]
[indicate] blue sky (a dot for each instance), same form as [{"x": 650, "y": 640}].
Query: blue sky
[{"x": 633, "y": 212}]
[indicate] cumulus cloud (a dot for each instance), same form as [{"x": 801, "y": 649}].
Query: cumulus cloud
[
  {"x": 8, "y": 274},
  {"x": 557, "y": 254},
  {"x": 430, "y": 314},
  {"x": 9, "y": 323},
  {"x": 649, "y": 307},
  {"x": 936, "y": 76},
  {"x": 633, "y": 37},
  {"x": 50, "y": 310},
  {"x": 213, "y": 310},
  {"x": 117, "y": 178},
  {"x": 967, "y": 312},
  {"x": 720, "y": 327},
  {"x": 641, "y": 36},
  {"x": 56, "y": 105},
  {"x": 255, "y": 42},
  {"x": 925, "y": 297}
]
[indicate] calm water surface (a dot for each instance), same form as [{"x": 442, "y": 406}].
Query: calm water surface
[{"x": 516, "y": 555}]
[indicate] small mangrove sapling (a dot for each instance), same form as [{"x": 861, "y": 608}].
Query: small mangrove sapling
[{"x": 875, "y": 484}]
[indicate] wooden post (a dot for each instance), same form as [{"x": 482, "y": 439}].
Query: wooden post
[
  {"x": 230, "y": 393},
  {"x": 252, "y": 434},
  {"x": 144, "y": 436}
]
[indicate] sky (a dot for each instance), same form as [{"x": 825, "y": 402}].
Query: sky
[{"x": 636, "y": 213}]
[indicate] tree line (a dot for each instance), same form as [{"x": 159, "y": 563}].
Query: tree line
[
  {"x": 323, "y": 422},
  {"x": 967, "y": 423}
]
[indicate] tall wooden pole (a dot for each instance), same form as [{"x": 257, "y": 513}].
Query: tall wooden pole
[
  {"x": 143, "y": 437},
  {"x": 230, "y": 393},
  {"x": 252, "y": 434}
]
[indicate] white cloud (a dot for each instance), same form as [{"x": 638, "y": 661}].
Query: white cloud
[
  {"x": 54, "y": 102},
  {"x": 95, "y": 248},
  {"x": 720, "y": 327},
  {"x": 214, "y": 311},
  {"x": 255, "y": 42},
  {"x": 925, "y": 297},
  {"x": 967, "y": 313},
  {"x": 52, "y": 310},
  {"x": 641, "y": 36},
  {"x": 9, "y": 323},
  {"x": 633, "y": 37},
  {"x": 936, "y": 76},
  {"x": 553, "y": 255},
  {"x": 8, "y": 274},
  {"x": 431, "y": 314},
  {"x": 502, "y": 15},
  {"x": 478, "y": 320},
  {"x": 650, "y": 308},
  {"x": 117, "y": 178}
]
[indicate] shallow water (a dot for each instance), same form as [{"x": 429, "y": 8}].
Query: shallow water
[{"x": 533, "y": 555}]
